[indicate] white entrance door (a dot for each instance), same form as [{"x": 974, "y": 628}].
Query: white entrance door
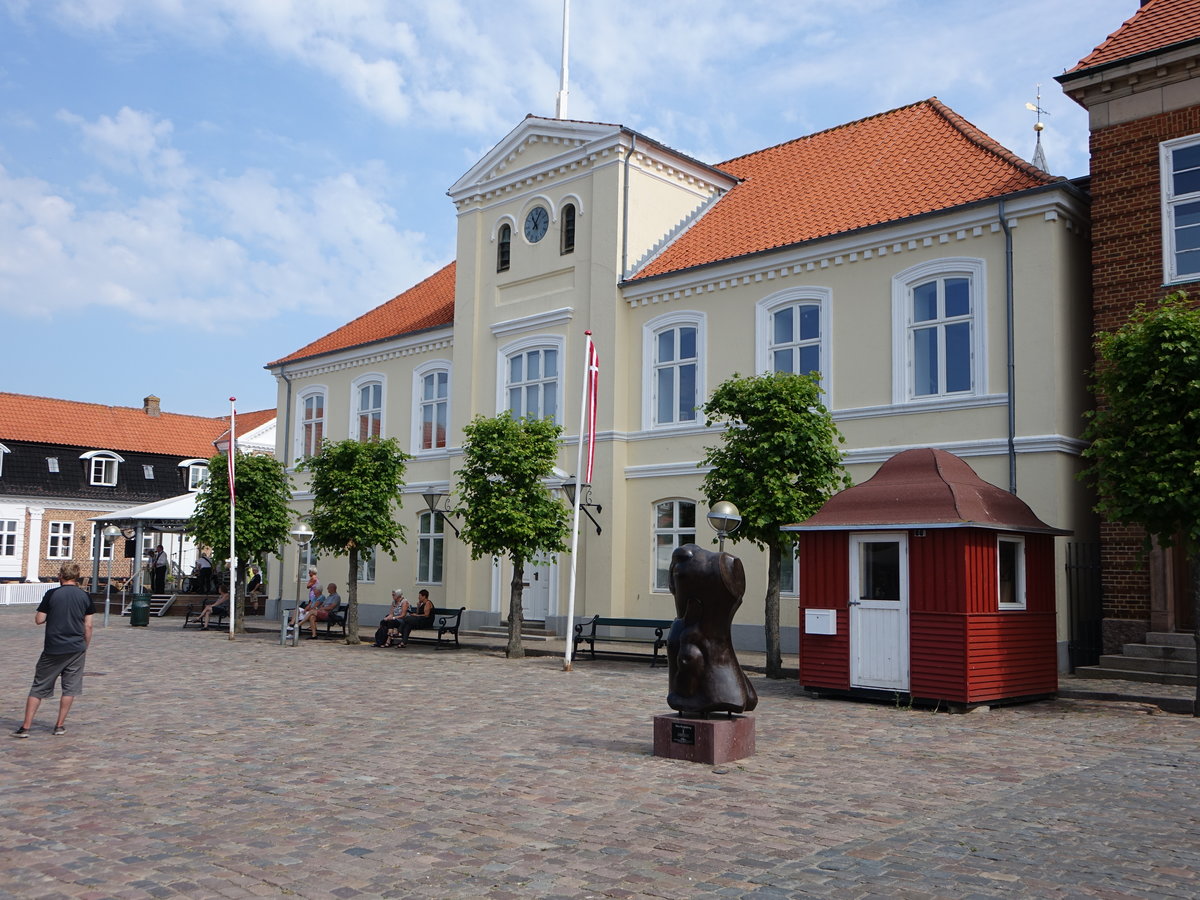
[
  {"x": 879, "y": 611},
  {"x": 536, "y": 596}
]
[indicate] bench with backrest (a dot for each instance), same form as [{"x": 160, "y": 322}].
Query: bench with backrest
[
  {"x": 586, "y": 632},
  {"x": 337, "y": 620},
  {"x": 445, "y": 621}
]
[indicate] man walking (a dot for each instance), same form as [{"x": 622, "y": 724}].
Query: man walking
[{"x": 67, "y": 612}]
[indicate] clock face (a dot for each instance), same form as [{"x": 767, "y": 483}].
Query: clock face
[{"x": 536, "y": 224}]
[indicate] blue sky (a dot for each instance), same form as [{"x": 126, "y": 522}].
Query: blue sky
[{"x": 189, "y": 190}]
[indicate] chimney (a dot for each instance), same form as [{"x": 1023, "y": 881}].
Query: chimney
[{"x": 150, "y": 406}]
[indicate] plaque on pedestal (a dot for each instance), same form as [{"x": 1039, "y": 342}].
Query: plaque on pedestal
[{"x": 709, "y": 741}]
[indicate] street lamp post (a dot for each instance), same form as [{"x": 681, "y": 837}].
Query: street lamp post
[
  {"x": 301, "y": 534},
  {"x": 725, "y": 520},
  {"x": 110, "y": 533}
]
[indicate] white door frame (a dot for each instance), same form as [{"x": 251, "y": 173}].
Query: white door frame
[
  {"x": 546, "y": 577},
  {"x": 879, "y": 640}
]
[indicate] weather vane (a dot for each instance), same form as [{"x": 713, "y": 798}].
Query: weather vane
[{"x": 1039, "y": 156}]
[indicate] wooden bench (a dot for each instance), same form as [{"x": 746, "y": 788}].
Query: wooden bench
[
  {"x": 446, "y": 621},
  {"x": 585, "y": 633}
]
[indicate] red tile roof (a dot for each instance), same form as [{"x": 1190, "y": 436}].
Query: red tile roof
[
  {"x": 905, "y": 162},
  {"x": 92, "y": 426},
  {"x": 425, "y": 305},
  {"x": 928, "y": 488},
  {"x": 1157, "y": 25}
]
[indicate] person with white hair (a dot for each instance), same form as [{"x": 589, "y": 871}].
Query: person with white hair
[{"x": 393, "y": 620}]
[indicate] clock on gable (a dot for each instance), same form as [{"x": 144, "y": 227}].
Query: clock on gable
[{"x": 536, "y": 224}]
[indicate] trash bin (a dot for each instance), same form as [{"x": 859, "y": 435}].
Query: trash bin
[{"x": 139, "y": 610}]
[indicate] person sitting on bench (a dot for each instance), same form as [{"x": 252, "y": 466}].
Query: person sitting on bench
[
  {"x": 220, "y": 606},
  {"x": 321, "y": 610},
  {"x": 422, "y": 617},
  {"x": 389, "y": 623}
]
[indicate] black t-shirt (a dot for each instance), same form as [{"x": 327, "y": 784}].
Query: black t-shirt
[{"x": 65, "y": 608}]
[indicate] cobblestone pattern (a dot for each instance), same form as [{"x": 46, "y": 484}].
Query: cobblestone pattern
[{"x": 203, "y": 767}]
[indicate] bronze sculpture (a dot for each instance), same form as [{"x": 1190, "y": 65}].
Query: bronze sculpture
[{"x": 703, "y": 671}]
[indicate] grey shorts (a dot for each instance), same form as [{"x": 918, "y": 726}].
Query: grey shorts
[{"x": 51, "y": 666}]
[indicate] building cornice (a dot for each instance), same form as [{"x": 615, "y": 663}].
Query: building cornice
[{"x": 371, "y": 354}]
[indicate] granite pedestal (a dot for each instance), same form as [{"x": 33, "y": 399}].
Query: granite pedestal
[{"x": 717, "y": 740}]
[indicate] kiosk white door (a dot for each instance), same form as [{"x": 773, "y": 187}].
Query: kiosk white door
[{"x": 879, "y": 611}]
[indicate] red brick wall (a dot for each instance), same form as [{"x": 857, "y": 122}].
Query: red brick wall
[{"x": 1127, "y": 262}]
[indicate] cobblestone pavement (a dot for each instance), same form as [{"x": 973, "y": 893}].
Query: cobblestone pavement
[{"x": 198, "y": 766}]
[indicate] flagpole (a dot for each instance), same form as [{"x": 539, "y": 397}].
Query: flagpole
[
  {"x": 583, "y": 406},
  {"x": 231, "y": 466}
]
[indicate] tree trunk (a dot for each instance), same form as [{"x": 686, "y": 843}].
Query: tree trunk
[
  {"x": 515, "y": 617},
  {"x": 237, "y": 597},
  {"x": 771, "y": 613},
  {"x": 1194, "y": 562},
  {"x": 352, "y": 598}
]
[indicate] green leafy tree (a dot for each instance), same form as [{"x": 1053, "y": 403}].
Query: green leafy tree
[
  {"x": 356, "y": 489},
  {"x": 508, "y": 510},
  {"x": 778, "y": 464},
  {"x": 1144, "y": 457},
  {"x": 263, "y": 492}
]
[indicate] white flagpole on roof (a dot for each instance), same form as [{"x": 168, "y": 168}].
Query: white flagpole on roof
[
  {"x": 231, "y": 465},
  {"x": 583, "y": 408}
]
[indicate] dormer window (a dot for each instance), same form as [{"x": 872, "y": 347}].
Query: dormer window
[
  {"x": 3, "y": 450},
  {"x": 102, "y": 467},
  {"x": 197, "y": 473}
]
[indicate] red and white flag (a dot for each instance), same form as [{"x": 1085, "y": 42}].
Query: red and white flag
[
  {"x": 232, "y": 450},
  {"x": 593, "y": 385}
]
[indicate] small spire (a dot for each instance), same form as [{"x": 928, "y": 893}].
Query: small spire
[
  {"x": 1039, "y": 155},
  {"x": 560, "y": 104}
]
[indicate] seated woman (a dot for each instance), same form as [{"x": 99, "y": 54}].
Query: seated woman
[
  {"x": 219, "y": 606},
  {"x": 422, "y": 617},
  {"x": 308, "y": 607},
  {"x": 389, "y": 623}
]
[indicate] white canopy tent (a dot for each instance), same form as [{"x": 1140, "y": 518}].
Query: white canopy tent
[{"x": 168, "y": 516}]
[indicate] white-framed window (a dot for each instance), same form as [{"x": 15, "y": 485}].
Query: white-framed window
[
  {"x": 148, "y": 472},
  {"x": 1179, "y": 170},
  {"x": 430, "y": 546},
  {"x": 58, "y": 544},
  {"x": 789, "y": 572},
  {"x": 431, "y": 405},
  {"x": 938, "y": 333},
  {"x": 566, "y": 240},
  {"x": 106, "y": 547},
  {"x": 1010, "y": 571},
  {"x": 3, "y": 451},
  {"x": 366, "y": 566},
  {"x": 529, "y": 376},
  {"x": 368, "y": 407},
  {"x": 673, "y": 387},
  {"x": 197, "y": 476},
  {"x": 674, "y": 525},
  {"x": 311, "y": 425},
  {"x": 8, "y": 537},
  {"x": 792, "y": 332},
  {"x": 102, "y": 467},
  {"x": 504, "y": 248},
  {"x": 52, "y": 463}
]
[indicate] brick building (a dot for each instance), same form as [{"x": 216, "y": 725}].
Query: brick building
[{"x": 1141, "y": 88}]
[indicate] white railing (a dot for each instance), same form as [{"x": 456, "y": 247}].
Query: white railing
[{"x": 22, "y": 594}]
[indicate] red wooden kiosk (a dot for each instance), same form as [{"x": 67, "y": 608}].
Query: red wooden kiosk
[{"x": 928, "y": 582}]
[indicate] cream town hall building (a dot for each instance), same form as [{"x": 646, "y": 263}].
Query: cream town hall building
[{"x": 937, "y": 282}]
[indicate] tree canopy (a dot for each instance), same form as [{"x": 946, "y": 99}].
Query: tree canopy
[
  {"x": 507, "y": 509},
  {"x": 356, "y": 488},
  {"x": 778, "y": 463},
  {"x": 263, "y": 492},
  {"x": 1144, "y": 456}
]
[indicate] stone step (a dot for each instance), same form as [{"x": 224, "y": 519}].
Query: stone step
[
  {"x": 1160, "y": 651},
  {"x": 1148, "y": 664},
  {"x": 1103, "y": 672},
  {"x": 1171, "y": 638}
]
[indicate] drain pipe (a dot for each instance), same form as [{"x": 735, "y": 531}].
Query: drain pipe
[
  {"x": 1010, "y": 351},
  {"x": 625, "y": 211}
]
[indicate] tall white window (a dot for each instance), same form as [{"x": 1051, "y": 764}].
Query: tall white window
[
  {"x": 8, "y": 537},
  {"x": 433, "y": 405},
  {"x": 369, "y": 410},
  {"x": 674, "y": 525},
  {"x": 106, "y": 547},
  {"x": 532, "y": 383},
  {"x": 366, "y": 566},
  {"x": 1180, "y": 174},
  {"x": 312, "y": 423},
  {"x": 58, "y": 545},
  {"x": 674, "y": 385},
  {"x": 938, "y": 313},
  {"x": 430, "y": 544},
  {"x": 1010, "y": 571},
  {"x": 789, "y": 572}
]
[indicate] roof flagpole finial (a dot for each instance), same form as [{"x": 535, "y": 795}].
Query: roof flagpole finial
[
  {"x": 560, "y": 105},
  {"x": 1039, "y": 155}
]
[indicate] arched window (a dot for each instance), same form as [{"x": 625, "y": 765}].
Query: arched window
[
  {"x": 673, "y": 347},
  {"x": 674, "y": 526},
  {"x": 504, "y": 248},
  {"x": 567, "y": 229},
  {"x": 431, "y": 405},
  {"x": 430, "y": 541},
  {"x": 312, "y": 423},
  {"x": 368, "y": 407},
  {"x": 530, "y": 378}
]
